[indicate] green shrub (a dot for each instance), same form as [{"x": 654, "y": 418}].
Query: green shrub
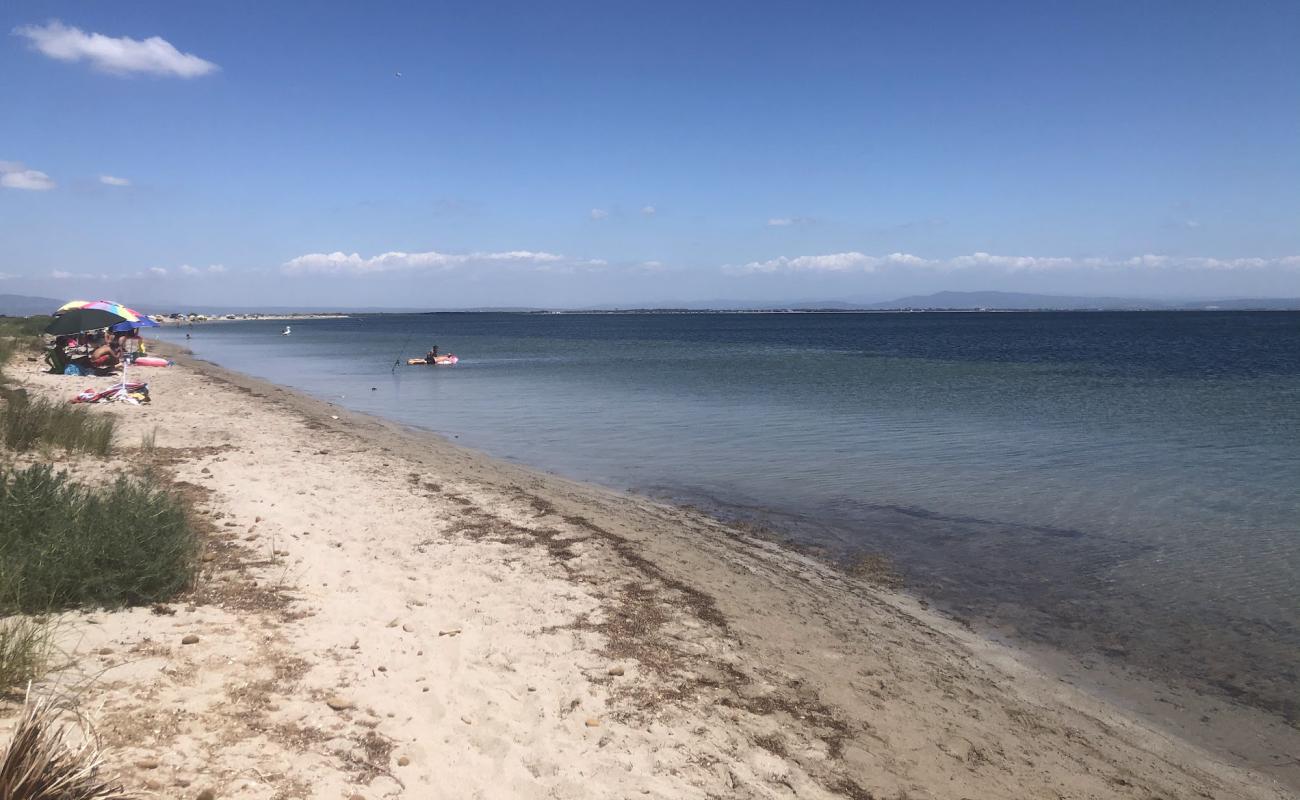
[
  {"x": 25, "y": 648},
  {"x": 65, "y": 545},
  {"x": 25, "y": 423},
  {"x": 24, "y": 326}
]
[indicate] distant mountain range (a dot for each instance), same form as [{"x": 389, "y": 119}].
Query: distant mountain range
[
  {"x": 21, "y": 305},
  {"x": 18, "y": 305}
]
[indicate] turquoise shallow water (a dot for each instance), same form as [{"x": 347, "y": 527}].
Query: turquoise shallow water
[{"x": 1116, "y": 482}]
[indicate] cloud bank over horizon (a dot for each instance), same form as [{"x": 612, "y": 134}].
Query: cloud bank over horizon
[
  {"x": 861, "y": 263},
  {"x": 354, "y": 264}
]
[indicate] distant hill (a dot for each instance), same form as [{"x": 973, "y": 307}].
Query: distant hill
[
  {"x": 1248, "y": 304},
  {"x": 19, "y": 305}
]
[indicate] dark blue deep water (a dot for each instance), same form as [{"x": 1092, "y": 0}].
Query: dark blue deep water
[{"x": 1125, "y": 483}]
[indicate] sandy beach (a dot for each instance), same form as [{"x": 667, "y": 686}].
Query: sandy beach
[{"x": 384, "y": 614}]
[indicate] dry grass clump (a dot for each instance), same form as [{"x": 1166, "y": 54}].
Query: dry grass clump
[
  {"x": 25, "y": 648},
  {"x": 39, "y": 764},
  {"x": 26, "y": 423}
]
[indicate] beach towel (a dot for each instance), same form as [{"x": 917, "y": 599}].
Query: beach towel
[{"x": 132, "y": 392}]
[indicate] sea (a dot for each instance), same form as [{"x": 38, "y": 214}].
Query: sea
[{"x": 1124, "y": 486}]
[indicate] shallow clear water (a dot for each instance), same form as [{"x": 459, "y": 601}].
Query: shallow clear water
[{"x": 1125, "y": 482}]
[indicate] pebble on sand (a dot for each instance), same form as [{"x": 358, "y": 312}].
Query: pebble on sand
[
  {"x": 339, "y": 703},
  {"x": 206, "y": 794},
  {"x": 592, "y": 722},
  {"x": 403, "y": 761},
  {"x": 190, "y": 638}
]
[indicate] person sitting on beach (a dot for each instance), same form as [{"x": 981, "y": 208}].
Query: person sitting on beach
[
  {"x": 60, "y": 354},
  {"x": 106, "y": 356}
]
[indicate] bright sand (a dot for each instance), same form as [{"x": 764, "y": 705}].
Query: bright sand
[{"x": 384, "y": 614}]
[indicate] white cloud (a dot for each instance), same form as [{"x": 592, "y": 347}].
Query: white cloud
[
  {"x": 158, "y": 272},
  {"x": 1010, "y": 263},
  {"x": 191, "y": 271},
  {"x": 832, "y": 262},
  {"x": 5, "y": 276},
  {"x": 859, "y": 262},
  {"x": 1236, "y": 263},
  {"x": 652, "y": 267},
  {"x": 112, "y": 180},
  {"x": 590, "y": 265},
  {"x": 119, "y": 56},
  {"x": 786, "y": 222},
  {"x": 649, "y": 211},
  {"x": 1147, "y": 260},
  {"x": 14, "y": 175},
  {"x": 337, "y": 262},
  {"x": 599, "y": 213},
  {"x": 62, "y": 275}
]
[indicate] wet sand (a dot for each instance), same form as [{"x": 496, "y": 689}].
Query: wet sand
[{"x": 384, "y": 614}]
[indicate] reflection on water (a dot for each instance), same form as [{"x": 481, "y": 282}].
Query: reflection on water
[{"x": 1114, "y": 482}]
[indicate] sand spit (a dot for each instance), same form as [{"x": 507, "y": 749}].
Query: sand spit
[{"x": 383, "y": 614}]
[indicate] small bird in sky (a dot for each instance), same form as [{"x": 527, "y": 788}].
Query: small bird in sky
[{"x": 397, "y": 74}]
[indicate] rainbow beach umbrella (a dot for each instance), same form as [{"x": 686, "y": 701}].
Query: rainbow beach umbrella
[{"x": 91, "y": 315}]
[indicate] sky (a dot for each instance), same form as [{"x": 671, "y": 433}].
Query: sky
[{"x": 571, "y": 154}]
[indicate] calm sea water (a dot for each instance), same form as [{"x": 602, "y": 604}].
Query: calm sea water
[{"x": 1124, "y": 483}]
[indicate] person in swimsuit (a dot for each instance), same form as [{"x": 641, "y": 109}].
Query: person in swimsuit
[{"x": 432, "y": 355}]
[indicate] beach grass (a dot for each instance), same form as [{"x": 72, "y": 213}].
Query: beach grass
[
  {"x": 26, "y": 645},
  {"x": 8, "y": 346},
  {"x": 68, "y": 545},
  {"x": 40, "y": 763},
  {"x": 18, "y": 334},
  {"x": 26, "y": 423}
]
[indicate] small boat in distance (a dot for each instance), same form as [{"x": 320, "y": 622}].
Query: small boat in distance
[{"x": 287, "y": 330}]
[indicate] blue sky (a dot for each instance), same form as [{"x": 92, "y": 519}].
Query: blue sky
[{"x": 622, "y": 153}]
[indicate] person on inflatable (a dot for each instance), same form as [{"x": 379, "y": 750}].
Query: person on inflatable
[{"x": 431, "y": 356}]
